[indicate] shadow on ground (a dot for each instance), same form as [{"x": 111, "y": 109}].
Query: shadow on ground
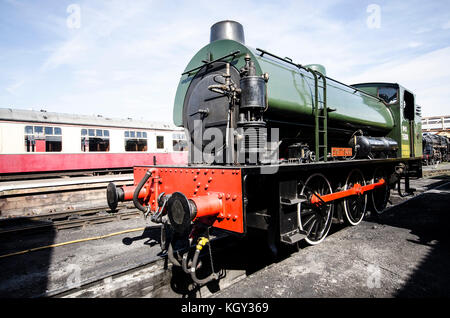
[
  {"x": 428, "y": 218},
  {"x": 25, "y": 275}
]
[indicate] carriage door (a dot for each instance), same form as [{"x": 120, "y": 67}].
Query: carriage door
[{"x": 408, "y": 115}]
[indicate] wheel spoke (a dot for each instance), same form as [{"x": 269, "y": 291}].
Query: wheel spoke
[
  {"x": 354, "y": 207},
  {"x": 315, "y": 219},
  {"x": 316, "y": 232},
  {"x": 310, "y": 228}
]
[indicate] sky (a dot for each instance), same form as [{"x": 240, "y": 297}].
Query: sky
[{"x": 124, "y": 58}]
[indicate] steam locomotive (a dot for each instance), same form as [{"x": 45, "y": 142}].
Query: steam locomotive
[
  {"x": 274, "y": 146},
  {"x": 436, "y": 149}
]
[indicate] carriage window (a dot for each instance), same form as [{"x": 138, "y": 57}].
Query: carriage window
[
  {"x": 43, "y": 139},
  {"x": 38, "y": 129},
  {"x": 135, "y": 141},
  {"x": 160, "y": 142},
  {"x": 53, "y": 143},
  {"x": 388, "y": 94},
  {"x": 179, "y": 142},
  {"x": 93, "y": 140},
  {"x": 28, "y": 130}
]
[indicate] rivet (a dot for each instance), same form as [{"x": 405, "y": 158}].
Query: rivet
[
  {"x": 206, "y": 171},
  {"x": 234, "y": 197},
  {"x": 206, "y": 187},
  {"x": 235, "y": 218},
  {"x": 198, "y": 184},
  {"x": 195, "y": 178},
  {"x": 210, "y": 179},
  {"x": 228, "y": 216},
  {"x": 220, "y": 195},
  {"x": 228, "y": 196}
]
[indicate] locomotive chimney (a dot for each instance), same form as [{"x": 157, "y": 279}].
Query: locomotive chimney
[{"x": 227, "y": 30}]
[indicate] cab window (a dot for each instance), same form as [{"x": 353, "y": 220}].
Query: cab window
[{"x": 388, "y": 94}]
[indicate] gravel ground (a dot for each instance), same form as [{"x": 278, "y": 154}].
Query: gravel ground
[
  {"x": 35, "y": 273},
  {"x": 403, "y": 253}
]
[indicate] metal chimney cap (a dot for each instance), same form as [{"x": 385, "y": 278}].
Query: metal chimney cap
[{"x": 227, "y": 30}]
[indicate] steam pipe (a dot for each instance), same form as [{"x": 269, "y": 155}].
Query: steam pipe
[
  {"x": 171, "y": 256},
  {"x": 136, "y": 202}
]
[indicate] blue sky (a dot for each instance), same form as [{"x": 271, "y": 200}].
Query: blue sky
[{"x": 125, "y": 59}]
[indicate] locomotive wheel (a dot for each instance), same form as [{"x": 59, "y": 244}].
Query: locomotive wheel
[
  {"x": 315, "y": 219},
  {"x": 355, "y": 206},
  {"x": 380, "y": 196}
]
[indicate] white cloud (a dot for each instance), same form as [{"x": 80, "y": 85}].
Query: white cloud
[
  {"x": 126, "y": 58},
  {"x": 13, "y": 87},
  {"x": 414, "y": 44},
  {"x": 426, "y": 75}
]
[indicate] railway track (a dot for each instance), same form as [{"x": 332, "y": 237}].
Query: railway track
[
  {"x": 62, "y": 174},
  {"x": 433, "y": 173},
  {"x": 65, "y": 220},
  {"x": 157, "y": 278},
  {"x": 160, "y": 279}
]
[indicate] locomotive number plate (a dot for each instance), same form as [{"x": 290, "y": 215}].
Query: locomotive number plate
[{"x": 341, "y": 152}]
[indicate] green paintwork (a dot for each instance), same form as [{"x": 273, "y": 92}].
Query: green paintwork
[
  {"x": 291, "y": 91},
  {"x": 407, "y": 134},
  {"x": 317, "y": 67}
]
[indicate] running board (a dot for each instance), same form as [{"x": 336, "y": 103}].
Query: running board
[{"x": 293, "y": 237}]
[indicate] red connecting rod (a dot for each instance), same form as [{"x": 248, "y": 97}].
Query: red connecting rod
[{"x": 357, "y": 189}]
